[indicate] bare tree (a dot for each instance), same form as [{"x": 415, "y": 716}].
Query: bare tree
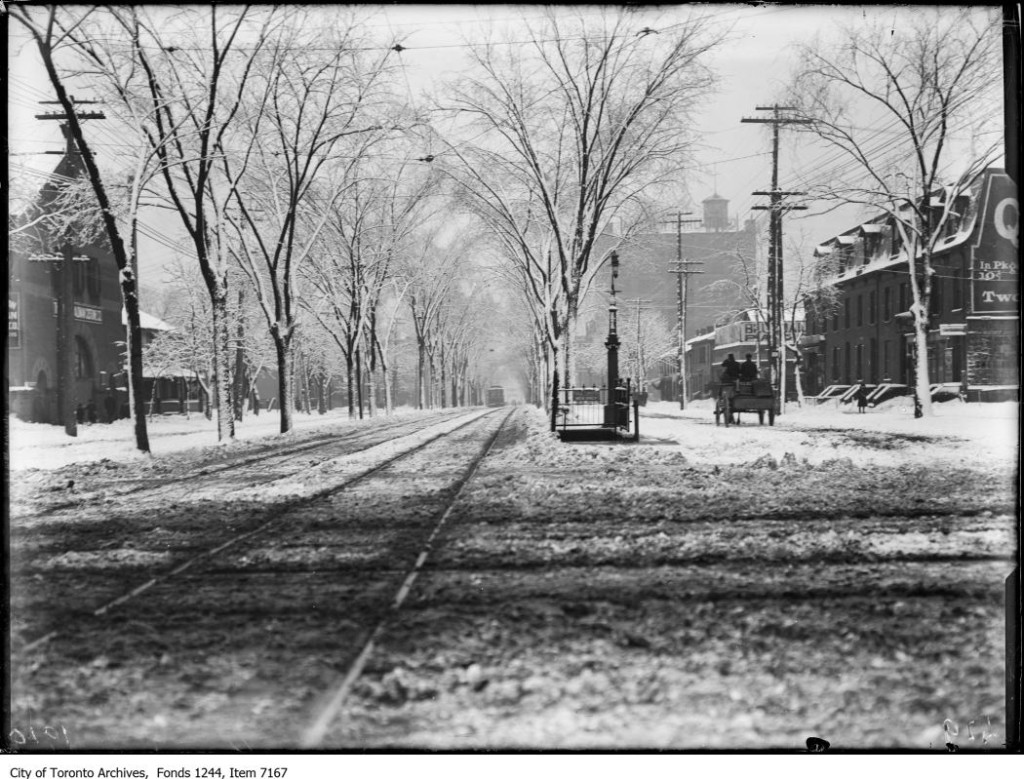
[
  {"x": 574, "y": 126},
  {"x": 366, "y": 252},
  {"x": 313, "y": 120},
  {"x": 186, "y": 72},
  {"x": 929, "y": 80},
  {"x": 53, "y": 30},
  {"x": 189, "y": 344}
]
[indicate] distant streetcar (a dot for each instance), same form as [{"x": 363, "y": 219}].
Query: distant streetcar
[{"x": 495, "y": 396}]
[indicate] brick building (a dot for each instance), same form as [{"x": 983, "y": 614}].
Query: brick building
[
  {"x": 34, "y": 286},
  {"x": 973, "y": 340}
]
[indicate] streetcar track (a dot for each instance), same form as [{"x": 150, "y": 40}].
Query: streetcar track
[
  {"x": 102, "y": 491},
  {"x": 333, "y": 701},
  {"x": 276, "y": 512}
]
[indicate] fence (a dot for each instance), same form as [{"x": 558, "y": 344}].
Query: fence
[{"x": 582, "y": 408}]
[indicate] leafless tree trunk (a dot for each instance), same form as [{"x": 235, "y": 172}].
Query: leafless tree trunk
[{"x": 50, "y": 33}]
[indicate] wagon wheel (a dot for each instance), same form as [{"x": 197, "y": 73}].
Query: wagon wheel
[
  {"x": 727, "y": 410},
  {"x": 760, "y": 416}
]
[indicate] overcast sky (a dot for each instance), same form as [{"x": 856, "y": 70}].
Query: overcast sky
[{"x": 737, "y": 161}]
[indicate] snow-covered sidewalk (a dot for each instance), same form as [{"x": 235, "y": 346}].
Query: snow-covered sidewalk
[
  {"x": 969, "y": 434},
  {"x": 49, "y": 447}
]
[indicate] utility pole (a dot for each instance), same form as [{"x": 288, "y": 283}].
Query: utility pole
[
  {"x": 66, "y": 296},
  {"x": 776, "y": 318},
  {"x": 682, "y": 270}
]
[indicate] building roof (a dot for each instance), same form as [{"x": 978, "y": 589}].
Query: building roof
[{"x": 147, "y": 321}]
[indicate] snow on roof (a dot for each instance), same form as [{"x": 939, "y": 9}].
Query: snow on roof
[
  {"x": 846, "y": 240},
  {"x": 871, "y": 228},
  {"x": 147, "y": 321}
]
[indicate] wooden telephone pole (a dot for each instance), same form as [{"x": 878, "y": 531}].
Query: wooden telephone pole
[
  {"x": 66, "y": 298},
  {"x": 776, "y": 301},
  {"x": 683, "y": 270}
]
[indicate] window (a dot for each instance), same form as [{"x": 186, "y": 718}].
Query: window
[
  {"x": 886, "y": 360},
  {"x": 872, "y": 307},
  {"x": 860, "y": 310},
  {"x": 958, "y": 293},
  {"x": 860, "y": 362},
  {"x": 846, "y": 362},
  {"x": 935, "y": 304},
  {"x": 79, "y": 276},
  {"x": 873, "y": 362},
  {"x": 92, "y": 280},
  {"x": 846, "y": 314},
  {"x": 835, "y": 363},
  {"x": 83, "y": 359},
  {"x": 897, "y": 242},
  {"x": 887, "y": 304},
  {"x": 835, "y": 321},
  {"x": 904, "y": 299}
]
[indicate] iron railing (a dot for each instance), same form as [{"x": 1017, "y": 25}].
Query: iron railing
[{"x": 581, "y": 407}]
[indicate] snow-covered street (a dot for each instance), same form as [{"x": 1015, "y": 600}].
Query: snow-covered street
[{"x": 835, "y": 575}]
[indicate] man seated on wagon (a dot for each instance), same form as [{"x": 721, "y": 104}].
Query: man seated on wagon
[
  {"x": 748, "y": 369},
  {"x": 730, "y": 370}
]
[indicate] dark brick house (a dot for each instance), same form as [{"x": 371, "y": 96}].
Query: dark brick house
[
  {"x": 973, "y": 339},
  {"x": 97, "y": 334}
]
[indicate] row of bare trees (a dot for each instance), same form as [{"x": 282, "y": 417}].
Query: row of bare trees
[
  {"x": 579, "y": 126},
  {"x": 285, "y": 141},
  {"x": 277, "y": 140}
]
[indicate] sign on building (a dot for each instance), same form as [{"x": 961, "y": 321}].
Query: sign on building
[
  {"x": 995, "y": 269},
  {"x": 13, "y": 320}
]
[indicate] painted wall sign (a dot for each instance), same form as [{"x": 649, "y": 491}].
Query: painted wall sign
[
  {"x": 995, "y": 267},
  {"x": 84, "y": 313},
  {"x": 13, "y": 320}
]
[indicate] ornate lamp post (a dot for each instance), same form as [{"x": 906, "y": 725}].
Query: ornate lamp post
[{"x": 612, "y": 344}]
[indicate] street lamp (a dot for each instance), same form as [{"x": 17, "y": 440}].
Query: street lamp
[{"x": 612, "y": 344}]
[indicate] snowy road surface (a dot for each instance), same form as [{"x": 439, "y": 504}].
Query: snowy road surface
[{"x": 837, "y": 575}]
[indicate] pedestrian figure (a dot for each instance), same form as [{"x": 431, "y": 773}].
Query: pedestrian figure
[
  {"x": 110, "y": 406},
  {"x": 80, "y": 413},
  {"x": 730, "y": 369},
  {"x": 861, "y": 395},
  {"x": 90, "y": 412},
  {"x": 748, "y": 369}
]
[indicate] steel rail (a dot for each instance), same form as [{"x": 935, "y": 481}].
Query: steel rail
[
  {"x": 276, "y": 513},
  {"x": 333, "y": 701},
  {"x": 265, "y": 454}
]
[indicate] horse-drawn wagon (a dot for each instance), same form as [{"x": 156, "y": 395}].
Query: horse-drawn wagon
[{"x": 736, "y": 397}]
